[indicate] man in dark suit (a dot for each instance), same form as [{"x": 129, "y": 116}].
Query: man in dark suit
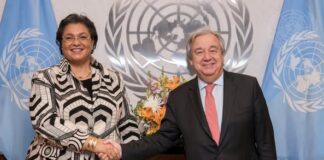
[{"x": 241, "y": 128}]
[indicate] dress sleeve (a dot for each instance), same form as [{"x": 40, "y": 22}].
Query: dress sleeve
[
  {"x": 45, "y": 116},
  {"x": 127, "y": 124}
]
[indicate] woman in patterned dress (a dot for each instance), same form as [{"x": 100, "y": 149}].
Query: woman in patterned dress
[{"x": 77, "y": 104}]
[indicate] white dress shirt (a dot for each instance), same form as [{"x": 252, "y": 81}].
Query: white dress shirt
[{"x": 218, "y": 93}]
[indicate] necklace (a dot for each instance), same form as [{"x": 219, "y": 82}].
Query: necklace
[{"x": 81, "y": 77}]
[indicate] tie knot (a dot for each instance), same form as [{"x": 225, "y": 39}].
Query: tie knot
[{"x": 209, "y": 88}]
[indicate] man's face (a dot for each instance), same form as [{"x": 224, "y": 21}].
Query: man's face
[{"x": 207, "y": 57}]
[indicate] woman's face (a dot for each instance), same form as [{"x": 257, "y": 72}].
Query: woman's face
[{"x": 77, "y": 43}]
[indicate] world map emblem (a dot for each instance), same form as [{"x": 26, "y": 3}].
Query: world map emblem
[
  {"x": 299, "y": 72},
  {"x": 26, "y": 53},
  {"x": 150, "y": 36}
]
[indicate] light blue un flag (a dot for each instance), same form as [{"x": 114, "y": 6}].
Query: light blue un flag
[
  {"x": 27, "y": 44},
  {"x": 294, "y": 81}
]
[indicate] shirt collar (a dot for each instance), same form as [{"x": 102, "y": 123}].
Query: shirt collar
[
  {"x": 65, "y": 65},
  {"x": 218, "y": 82}
]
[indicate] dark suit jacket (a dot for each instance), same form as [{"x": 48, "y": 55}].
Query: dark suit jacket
[{"x": 246, "y": 131}]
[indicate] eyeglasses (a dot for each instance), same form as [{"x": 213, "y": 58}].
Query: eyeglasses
[{"x": 82, "y": 39}]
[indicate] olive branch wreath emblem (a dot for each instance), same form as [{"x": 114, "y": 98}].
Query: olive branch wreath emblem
[
  {"x": 8, "y": 52},
  {"x": 299, "y": 105},
  {"x": 244, "y": 31},
  {"x": 136, "y": 82}
]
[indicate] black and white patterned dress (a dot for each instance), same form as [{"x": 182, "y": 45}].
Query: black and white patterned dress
[{"x": 64, "y": 114}]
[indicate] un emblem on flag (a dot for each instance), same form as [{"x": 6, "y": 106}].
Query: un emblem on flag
[
  {"x": 25, "y": 53},
  {"x": 299, "y": 72}
]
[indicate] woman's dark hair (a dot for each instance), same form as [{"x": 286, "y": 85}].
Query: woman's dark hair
[{"x": 73, "y": 19}]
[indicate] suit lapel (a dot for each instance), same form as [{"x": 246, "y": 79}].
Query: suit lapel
[
  {"x": 195, "y": 98},
  {"x": 228, "y": 103}
]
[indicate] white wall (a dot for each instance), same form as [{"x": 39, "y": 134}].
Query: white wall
[{"x": 2, "y": 3}]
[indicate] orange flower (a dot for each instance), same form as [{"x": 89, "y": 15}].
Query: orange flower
[
  {"x": 156, "y": 117},
  {"x": 162, "y": 112},
  {"x": 172, "y": 84},
  {"x": 146, "y": 112},
  {"x": 151, "y": 110},
  {"x": 154, "y": 128}
]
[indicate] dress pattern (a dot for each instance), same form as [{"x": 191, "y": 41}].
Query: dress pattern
[{"x": 64, "y": 114}]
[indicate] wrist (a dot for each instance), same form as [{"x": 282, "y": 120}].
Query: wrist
[{"x": 90, "y": 144}]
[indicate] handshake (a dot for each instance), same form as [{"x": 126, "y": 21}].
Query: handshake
[
  {"x": 105, "y": 149},
  {"x": 113, "y": 152}
]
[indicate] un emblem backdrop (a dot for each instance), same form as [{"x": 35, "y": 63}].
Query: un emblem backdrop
[{"x": 150, "y": 36}]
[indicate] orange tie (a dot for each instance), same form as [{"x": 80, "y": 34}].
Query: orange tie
[{"x": 211, "y": 113}]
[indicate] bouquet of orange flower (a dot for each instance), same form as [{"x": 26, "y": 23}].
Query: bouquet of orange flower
[{"x": 152, "y": 108}]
